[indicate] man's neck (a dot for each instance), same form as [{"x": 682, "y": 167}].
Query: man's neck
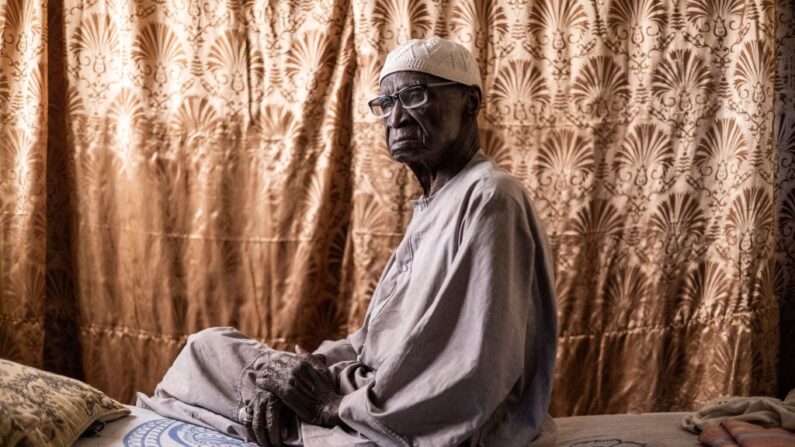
[{"x": 432, "y": 180}]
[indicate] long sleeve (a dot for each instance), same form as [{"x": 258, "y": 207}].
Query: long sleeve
[
  {"x": 473, "y": 349},
  {"x": 336, "y": 351}
]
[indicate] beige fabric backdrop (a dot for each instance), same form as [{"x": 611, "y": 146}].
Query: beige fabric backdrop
[{"x": 169, "y": 166}]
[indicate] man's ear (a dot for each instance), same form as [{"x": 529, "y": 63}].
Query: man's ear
[{"x": 473, "y": 100}]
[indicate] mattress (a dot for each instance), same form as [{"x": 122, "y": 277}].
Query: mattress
[
  {"x": 144, "y": 428},
  {"x": 624, "y": 430}
]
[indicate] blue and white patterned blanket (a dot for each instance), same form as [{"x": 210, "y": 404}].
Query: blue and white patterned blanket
[{"x": 144, "y": 428}]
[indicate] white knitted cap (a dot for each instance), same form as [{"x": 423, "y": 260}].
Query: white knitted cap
[{"x": 435, "y": 56}]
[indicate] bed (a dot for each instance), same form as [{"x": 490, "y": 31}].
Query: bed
[{"x": 144, "y": 428}]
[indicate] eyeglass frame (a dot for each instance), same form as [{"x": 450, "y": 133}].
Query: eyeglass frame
[{"x": 396, "y": 96}]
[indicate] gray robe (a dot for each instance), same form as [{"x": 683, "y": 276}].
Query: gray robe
[
  {"x": 458, "y": 344},
  {"x": 459, "y": 340}
]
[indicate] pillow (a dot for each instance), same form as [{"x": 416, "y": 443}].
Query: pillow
[{"x": 38, "y": 408}]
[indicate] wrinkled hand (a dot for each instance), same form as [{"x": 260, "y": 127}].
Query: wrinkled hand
[
  {"x": 304, "y": 383},
  {"x": 268, "y": 419}
]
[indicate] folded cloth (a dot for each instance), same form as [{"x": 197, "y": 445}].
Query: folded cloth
[
  {"x": 764, "y": 411},
  {"x": 733, "y": 433}
]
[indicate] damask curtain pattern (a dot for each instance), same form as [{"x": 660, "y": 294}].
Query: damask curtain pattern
[
  {"x": 213, "y": 163},
  {"x": 23, "y": 187}
]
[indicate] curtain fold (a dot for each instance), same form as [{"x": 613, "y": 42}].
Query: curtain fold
[
  {"x": 23, "y": 182},
  {"x": 166, "y": 167}
]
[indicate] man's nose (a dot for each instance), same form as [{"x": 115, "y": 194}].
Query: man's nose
[{"x": 398, "y": 115}]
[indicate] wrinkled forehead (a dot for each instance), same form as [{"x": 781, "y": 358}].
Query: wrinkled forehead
[{"x": 402, "y": 79}]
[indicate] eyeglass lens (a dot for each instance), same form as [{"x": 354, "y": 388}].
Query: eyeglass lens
[{"x": 409, "y": 97}]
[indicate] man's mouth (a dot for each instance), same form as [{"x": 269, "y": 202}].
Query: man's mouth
[
  {"x": 403, "y": 140},
  {"x": 406, "y": 140},
  {"x": 406, "y": 144}
]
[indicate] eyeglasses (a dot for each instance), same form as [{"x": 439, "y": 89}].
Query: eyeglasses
[{"x": 409, "y": 97}]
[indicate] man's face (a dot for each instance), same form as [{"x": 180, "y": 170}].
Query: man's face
[{"x": 423, "y": 134}]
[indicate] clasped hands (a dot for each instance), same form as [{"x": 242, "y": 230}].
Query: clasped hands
[{"x": 304, "y": 384}]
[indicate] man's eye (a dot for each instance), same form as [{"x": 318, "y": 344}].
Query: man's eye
[
  {"x": 386, "y": 103},
  {"x": 412, "y": 96}
]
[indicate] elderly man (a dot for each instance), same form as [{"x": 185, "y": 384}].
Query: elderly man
[{"x": 458, "y": 344}]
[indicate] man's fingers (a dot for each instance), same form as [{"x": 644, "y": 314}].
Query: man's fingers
[
  {"x": 274, "y": 421},
  {"x": 272, "y": 376},
  {"x": 299, "y": 381},
  {"x": 299, "y": 405},
  {"x": 315, "y": 359},
  {"x": 318, "y": 361},
  {"x": 274, "y": 386},
  {"x": 284, "y": 360},
  {"x": 293, "y": 391},
  {"x": 259, "y": 420},
  {"x": 308, "y": 390}
]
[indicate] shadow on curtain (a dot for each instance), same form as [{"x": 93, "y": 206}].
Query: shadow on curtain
[{"x": 165, "y": 167}]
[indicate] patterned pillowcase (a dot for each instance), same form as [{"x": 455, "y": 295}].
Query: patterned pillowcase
[{"x": 39, "y": 408}]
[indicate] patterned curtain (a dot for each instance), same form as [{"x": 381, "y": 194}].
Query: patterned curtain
[{"x": 169, "y": 166}]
